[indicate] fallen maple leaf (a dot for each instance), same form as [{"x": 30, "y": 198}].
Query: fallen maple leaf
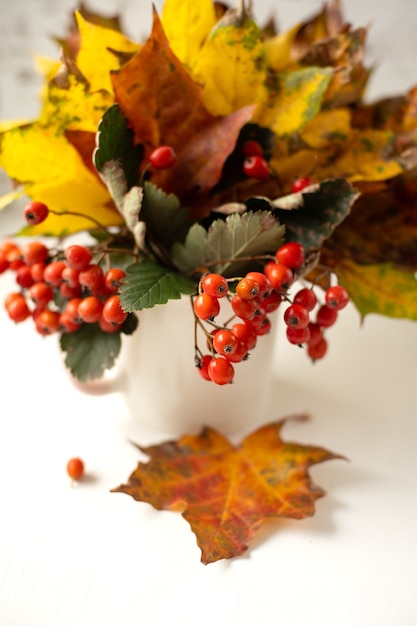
[{"x": 224, "y": 491}]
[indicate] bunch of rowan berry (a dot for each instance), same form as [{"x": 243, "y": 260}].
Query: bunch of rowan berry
[
  {"x": 61, "y": 292},
  {"x": 255, "y": 296}
]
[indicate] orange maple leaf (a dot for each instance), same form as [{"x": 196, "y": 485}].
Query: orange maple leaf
[{"x": 224, "y": 491}]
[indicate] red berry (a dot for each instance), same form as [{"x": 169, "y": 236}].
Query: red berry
[
  {"x": 67, "y": 325},
  {"x": 296, "y": 316},
  {"x": 245, "y": 309},
  {"x": 70, "y": 276},
  {"x": 92, "y": 278},
  {"x": 17, "y": 308},
  {"x": 4, "y": 263},
  {"x": 336, "y": 297},
  {"x": 90, "y": 309},
  {"x": 24, "y": 277},
  {"x": 162, "y": 158},
  {"x": 248, "y": 289},
  {"x": 221, "y": 371},
  {"x": 256, "y": 167},
  {"x": 41, "y": 294},
  {"x": 75, "y": 468},
  {"x": 203, "y": 366},
  {"x": 262, "y": 326},
  {"x": 280, "y": 276},
  {"x": 52, "y": 274},
  {"x": 37, "y": 270},
  {"x": 245, "y": 333},
  {"x": 71, "y": 309},
  {"x": 206, "y": 307},
  {"x": 291, "y": 254},
  {"x": 34, "y": 252},
  {"x": 47, "y": 322},
  {"x": 298, "y": 336},
  {"x": 272, "y": 302},
  {"x": 225, "y": 342},
  {"x": 214, "y": 285},
  {"x": 78, "y": 257},
  {"x": 113, "y": 278},
  {"x": 67, "y": 291},
  {"x": 300, "y": 183},
  {"x": 263, "y": 282},
  {"x": 316, "y": 333},
  {"x": 252, "y": 148},
  {"x": 109, "y": 327},
  {"x": 239, "y": 354},
  {"x": 113, "y": 312},
  {"x": 318, "y": 350},
  {"x": 306, "y": 297},
  {"x": 326, "y": 316},
  {"x": 35, "y": 213}
]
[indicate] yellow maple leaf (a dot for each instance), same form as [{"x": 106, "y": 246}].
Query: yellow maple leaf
[
  {"x": 186, "y": 24},
  {"x": 51, "y": 170},
  {"x": 231, "y": 65},
  {"x": 96, "y": 57}
]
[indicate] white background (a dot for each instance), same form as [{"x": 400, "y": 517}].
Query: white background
[{"x": 85, "y": 557}]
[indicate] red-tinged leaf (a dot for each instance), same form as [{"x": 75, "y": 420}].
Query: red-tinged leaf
[
  {"x": 225, "y": 492},
  {"x": 172, "y": 112}
]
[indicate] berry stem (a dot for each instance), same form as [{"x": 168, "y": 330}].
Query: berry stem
[{"x": 77, "y": 214}]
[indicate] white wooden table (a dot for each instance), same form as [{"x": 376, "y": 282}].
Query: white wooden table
[{"x": 85, "y": 557}]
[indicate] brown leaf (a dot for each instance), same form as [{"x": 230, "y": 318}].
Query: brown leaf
[
  {"x": 172, "y": 112},
  {"x": 225, "y": 492}
]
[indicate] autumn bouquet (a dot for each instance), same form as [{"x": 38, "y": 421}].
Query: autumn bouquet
[{"x": 218, "y": 159}]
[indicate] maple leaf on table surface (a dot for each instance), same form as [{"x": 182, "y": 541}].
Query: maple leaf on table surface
[
  {"x": 172, "y": 112},
  {"x": 225, "y": 492}
]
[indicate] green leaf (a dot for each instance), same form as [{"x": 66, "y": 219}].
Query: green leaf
[
  {"x": 238, "y": 237},
  {"x": 90, "y": 351},
  {"x": 319, "y": 214},
  {"x": 116, "y": 157},
  {"x": 147, "y": 284},
  {"x": 165, "y": 220}
]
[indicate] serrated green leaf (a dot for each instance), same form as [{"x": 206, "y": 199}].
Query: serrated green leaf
[
  {"x": 239, "y": 236},
  {"x": 115, "y": 145},
  {"x": 165, "y": 219},
  {"x": 147, "y": 284},
  {"x": 321, "y": 211},
  {"x": 90, "y": 351}
]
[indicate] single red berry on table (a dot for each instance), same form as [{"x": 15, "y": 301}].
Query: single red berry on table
[
  {"x": 336, "y": 297},
  {"x": 300, "y": 183},
  {"x": 205, "y": 306},
  {"x": 256, "y": 167},
  {"x": 78, "y": 257},
  {"x": 214, "y": 285},
  {"x": 35, "y": 213},
  {"x": 113, "y": 311},
  {"x": 326, "y": 316},
  {"x": 221, "y": 371},
  {"x": 306, "y": 297},
  {"x": 296, "y": 316},
  {"x": 280, "y": 276},
  {"x": 75, "y": 468},
  {"x": 162, "y": 158},
  {"x": 291, "y": 254}
]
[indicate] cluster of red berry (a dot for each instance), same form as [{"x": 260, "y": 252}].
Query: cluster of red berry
[
  {"x": 256, "y": 295},
  {"x": 60, "y": 293}
]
